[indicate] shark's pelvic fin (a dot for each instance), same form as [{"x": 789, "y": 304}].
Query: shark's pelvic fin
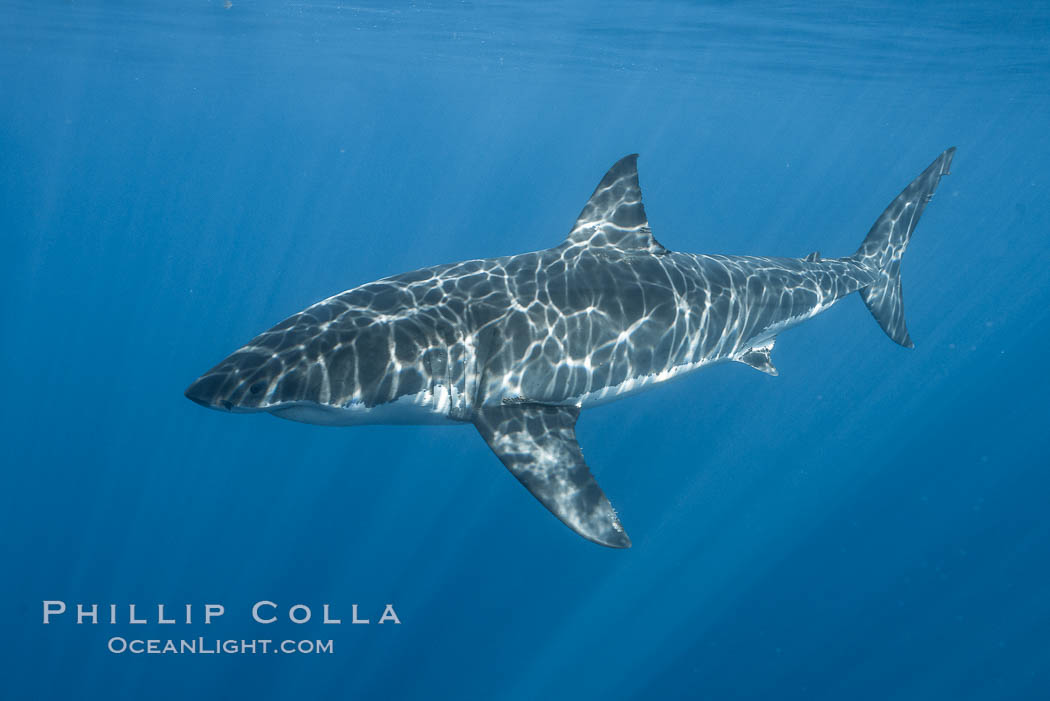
[
  {"x": 538, "y": 445},
  {"x": 758, "y": 357},
  {"x": 813, "y": 257},
  {"x": 614, "y": 216}
]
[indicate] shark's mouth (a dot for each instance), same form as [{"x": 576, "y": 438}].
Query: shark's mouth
[{"x": 419, "y": 408}]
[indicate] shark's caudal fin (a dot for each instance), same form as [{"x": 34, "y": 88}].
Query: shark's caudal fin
[{"x": 884, "y": 246}]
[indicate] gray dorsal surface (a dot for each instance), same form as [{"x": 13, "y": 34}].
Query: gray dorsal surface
[{"x": 518, "y": 345}]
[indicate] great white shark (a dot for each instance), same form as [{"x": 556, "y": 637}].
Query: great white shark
[{"x": 519, "y": 345}]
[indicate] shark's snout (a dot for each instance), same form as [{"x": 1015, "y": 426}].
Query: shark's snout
[
  {"x": 239, "y": 383},
  {"x": 207, "y": 391}
]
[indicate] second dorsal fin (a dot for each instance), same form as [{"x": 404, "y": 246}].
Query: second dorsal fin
[{"x": 614, "y": 216}]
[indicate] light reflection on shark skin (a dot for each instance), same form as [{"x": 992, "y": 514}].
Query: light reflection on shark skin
[{"x": 518, "y": 345}]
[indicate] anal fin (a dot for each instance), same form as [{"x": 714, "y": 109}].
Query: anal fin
[
  {"x": 759, "y": 358},
  {"x": 538, "y": 445}
]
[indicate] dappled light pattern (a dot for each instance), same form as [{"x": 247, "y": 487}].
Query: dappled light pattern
[{"x": 504, "y": 342}]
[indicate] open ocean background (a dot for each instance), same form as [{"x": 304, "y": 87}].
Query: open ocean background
[{"x": 871, "y": 524}]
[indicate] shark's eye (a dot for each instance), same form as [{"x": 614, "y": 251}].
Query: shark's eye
[{"x": 257, "y": 387}]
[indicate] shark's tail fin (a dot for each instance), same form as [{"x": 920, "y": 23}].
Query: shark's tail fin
[{"x": 884, "y": 246}]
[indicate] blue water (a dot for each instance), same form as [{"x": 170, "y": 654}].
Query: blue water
[{"x": 176, "y": 178}]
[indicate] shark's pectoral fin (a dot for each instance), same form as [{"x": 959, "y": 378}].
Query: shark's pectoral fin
[
  {"x": 758, "y": 357},
  {"x": 538, "y": 445}
]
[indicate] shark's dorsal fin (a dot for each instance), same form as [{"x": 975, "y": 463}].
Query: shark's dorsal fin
[
  {"x": 813, "y": 257},
  {"x": 614, "y": 216},
  {"x": 538, "y": 445},
  {"x": 758, "y": 357}
]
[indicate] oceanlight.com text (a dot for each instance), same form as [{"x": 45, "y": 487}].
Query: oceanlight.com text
[{"x": 214, "y": 646}]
